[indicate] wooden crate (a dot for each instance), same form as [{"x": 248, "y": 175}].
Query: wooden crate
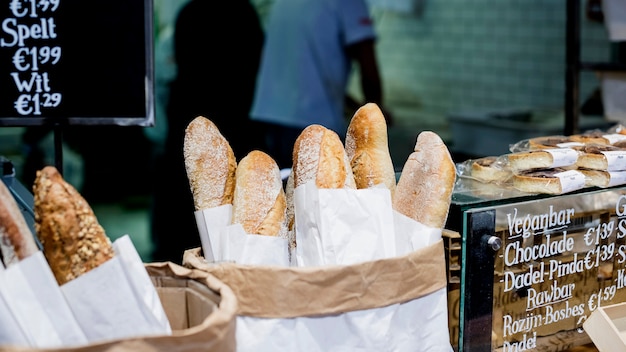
[{"x": 607, "y": 328}]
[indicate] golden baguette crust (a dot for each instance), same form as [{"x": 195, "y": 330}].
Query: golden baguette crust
[
  {"x": 259, "y": 204},
  {"x": 73, "y": 241},
  {"x": 424, "y": 190},
  {"x": 319, "y": 155},
  {"x": 16, "y": 238},
  {"x": 368, "y": 149},
  {"x": 210, "y": 164}
]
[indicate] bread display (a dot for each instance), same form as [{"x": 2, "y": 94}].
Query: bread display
[
  {"x": 16, "y": 239},
  {"x": 602, "y": 157},
  {"x": 210, "y": 164},
  {"x": 318, "y": 154},
  {"x": 549, "y": 181},
  {"x": 259, "y": 203},
  {"x": 424, "y": 190},
  {"x": 545, "y": 158},
  {"x": 368, "y": 149},
  {"x": 73, "y": 241},
  {"x": 490, "y": 169}
]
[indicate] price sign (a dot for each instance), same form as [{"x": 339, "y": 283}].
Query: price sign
[{"x": 76, "y": 62}]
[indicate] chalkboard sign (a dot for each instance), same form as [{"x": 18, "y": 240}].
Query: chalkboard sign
[{"x": 76, "y": 62}]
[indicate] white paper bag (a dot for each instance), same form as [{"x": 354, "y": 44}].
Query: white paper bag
[
  {"x": 10, "y": 330},
  {"x": 343, "y": 226},
  {"x": 106, "y": 305},
  {"x": 34, "y": 297},
  {"x": 227, "y": 242}
]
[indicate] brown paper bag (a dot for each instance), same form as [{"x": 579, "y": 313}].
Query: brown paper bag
[
  {"x": 335, "y": 303},
  {"x": 201, "y": 310}
]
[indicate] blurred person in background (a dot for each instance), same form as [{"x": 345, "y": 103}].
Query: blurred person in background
[
  {"x": 306, "y": 63},
  {"x": 217, "y": 48}
]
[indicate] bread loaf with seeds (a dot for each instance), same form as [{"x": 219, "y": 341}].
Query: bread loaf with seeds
[{"x": 73, "y": 240}]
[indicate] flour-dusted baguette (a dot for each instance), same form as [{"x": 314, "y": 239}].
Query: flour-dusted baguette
[
  {"x": 259, "y": 204},
  {"x": 210, "y": 164},
  {"x": 16, "y": 239},
  {"x": 424, "y": 189},
  {"x": 319, "y": 155},
  {"x": 368, "y": 149},
  {"x": 73, "y": 241}
]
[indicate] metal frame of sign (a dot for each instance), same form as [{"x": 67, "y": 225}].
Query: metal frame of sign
[{"x": 147, "y": 121}]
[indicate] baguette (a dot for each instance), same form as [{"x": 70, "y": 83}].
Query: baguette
[
  {"x": 319, "y": 155},
  {"x": 16, "y": 239},
  {"x": 368, "y": 149},
  {"x": 73, "y": 241},
  {"x": 259, "y": 203},
  {"x": 424, "y": 190},
  {"x": 210, "y": 164}
]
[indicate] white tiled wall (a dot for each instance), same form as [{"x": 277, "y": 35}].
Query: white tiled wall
[{"x": 464, "y": 55}]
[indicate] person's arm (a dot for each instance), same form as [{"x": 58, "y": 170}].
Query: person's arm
[{"x": 363, "y": 53}]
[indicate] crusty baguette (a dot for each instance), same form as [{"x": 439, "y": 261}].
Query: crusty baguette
[
  {"x": 424, "y": 190},
  {"x": 319, "y": 155},
  {"x": 73, "y": 241},
  {"x": 16, "y": 239},
  {"x": 259, "y": 204},
  {"x": 368, "y": 149},
  {"x": 210, "y": 164},
  {"x": 548, "y": 181}
]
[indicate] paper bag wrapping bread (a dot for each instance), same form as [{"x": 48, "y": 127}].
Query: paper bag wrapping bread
[
  {"x": 201, "y": 310},
  {"x": 368, "y": 276},
  {"x": 396, "y": 304}
]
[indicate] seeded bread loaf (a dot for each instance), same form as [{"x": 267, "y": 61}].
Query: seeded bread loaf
[{"x": 73, "y": 241}]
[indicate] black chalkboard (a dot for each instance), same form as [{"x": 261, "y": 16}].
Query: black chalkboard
[{"x": 76, "y": 62}]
